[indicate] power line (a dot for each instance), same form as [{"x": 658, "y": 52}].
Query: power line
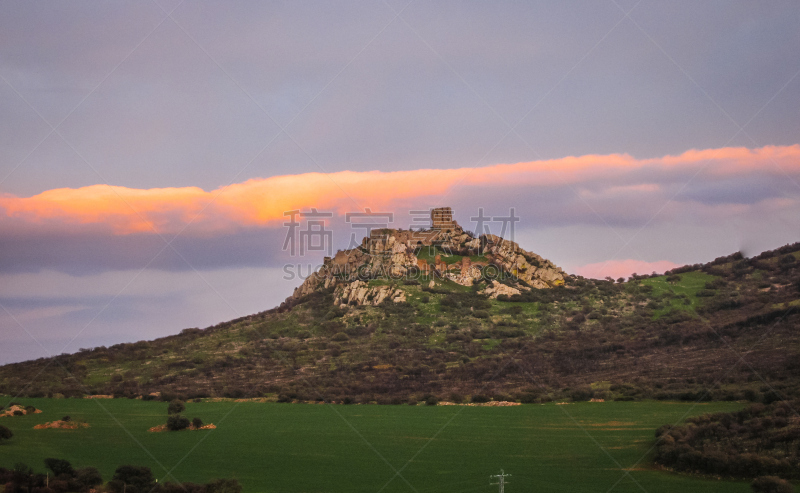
[{"x": 501, "y": 480}]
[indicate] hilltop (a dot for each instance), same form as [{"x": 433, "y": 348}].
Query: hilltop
[
  {"x": 442, "y": 314},
  {"x": 444, "y": 252}
]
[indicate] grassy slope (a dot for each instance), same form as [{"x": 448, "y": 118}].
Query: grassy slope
[
  {"x": 277, "y": 448},
  {"x": 649, "y": 338}
]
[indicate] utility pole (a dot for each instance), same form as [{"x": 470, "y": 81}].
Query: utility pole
[{"x": 501, "y": 480}]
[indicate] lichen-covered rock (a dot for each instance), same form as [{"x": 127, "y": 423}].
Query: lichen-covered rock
[
  {"x": 360, "y": 293},
  {"x": 496, "y": 288},
  {"x": 534, "y": 270},
  {"x": 466, "y": 276}
]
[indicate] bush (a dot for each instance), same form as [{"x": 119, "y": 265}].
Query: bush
[
  {"x": 197, "y": 423},
  {"x": 88, "y": 477},
  {"x": 176, "y": 407},
  {"x": 224, "y": 486},
  {"x": 176, "y": 422},
  {"x": 741, "y": 444},
  {"x": 59, "y": 467},
  {"x": 479, "y": 398},
  {"x": 132, "y": 479},
  {"x": 431, "y": 401},
  {"x": 771, "y": 484},
  {"x": 5, "y": 433}
]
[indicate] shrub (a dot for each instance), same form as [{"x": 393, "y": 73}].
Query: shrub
[
  {"x": 340, "y": 337},
  {"x": 224, "y": 486},
  {"x": 176, "y": 407},
  {"x": 66, "y": 419},
  {"x": 583, "y": 393},
  {"x": 177, "y": 422},
  {"x": 87, "y": 477},
  {"x": 479, "y": 398},
  {"x": 431, "y": 401},
  {"x": 197, "y": 423},
  {"x": 5, "y": 433},
  {"x": 59, "y": 467},
  {"x": 132, "y": 479},
  {"x": 771, "y": 484}
]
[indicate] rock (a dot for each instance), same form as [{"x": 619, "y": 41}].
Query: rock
[
  {"x": 496, "y": 289},
  {"x": 360, "y": 293},
  {"x": 467, "y": 277}
]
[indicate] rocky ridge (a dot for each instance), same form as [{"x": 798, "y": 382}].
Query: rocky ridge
[{"x": 442, "y": 253}]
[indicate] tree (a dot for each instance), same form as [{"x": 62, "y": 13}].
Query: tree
[
  {"x": 197, "y": 422},
  {"x": 177, "y": 422},
  {"x": 176, "y": 407},
  {"x": 59, "y": 467},
  {"x": 22, "y": 474},
  {"x": 88, "y": 477},
  {"x": 5, "y": 433},
  {"x": 132, "y": 479}
]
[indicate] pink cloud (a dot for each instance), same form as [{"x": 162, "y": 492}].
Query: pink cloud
[
  {"x": 611, "y": 181},
  {"x": 623, "y": 268}
]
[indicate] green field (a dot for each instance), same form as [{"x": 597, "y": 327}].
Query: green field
[{"x": 315, "y": 448}]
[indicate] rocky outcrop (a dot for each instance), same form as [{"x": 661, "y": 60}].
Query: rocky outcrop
[
  {"x": 496, "y": 289},
  {"x": 392, "y": 254},
  {"x": 360, "y": 293},
  {"x": 533, "y": 270}
]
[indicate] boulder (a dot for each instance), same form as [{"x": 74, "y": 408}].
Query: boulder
[{"x": 496, "y": 289}]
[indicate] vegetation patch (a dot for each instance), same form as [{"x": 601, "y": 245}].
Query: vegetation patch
[
  {"x": 760, "y": 440},
  {"x": 65, "y": 423},
  {"x": 15, "y": 409}
]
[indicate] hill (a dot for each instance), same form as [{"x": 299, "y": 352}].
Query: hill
[{"x": 444, "y": 315}]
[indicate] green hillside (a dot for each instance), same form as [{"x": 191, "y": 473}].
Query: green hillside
[{"x": 726, "y": 330}]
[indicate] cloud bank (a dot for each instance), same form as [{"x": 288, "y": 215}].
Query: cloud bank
[{"x": 613, "y": 189}]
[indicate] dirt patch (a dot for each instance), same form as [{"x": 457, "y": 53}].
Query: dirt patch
[
  {"x": 62, "y": 425},
  {"x": 482, "y": 404},
  {"x": 615, "y": 424},
  {"x": 249, "y": 399},
  {"x": 160, "y": 428},
  {"x": 10, "y": 411}
]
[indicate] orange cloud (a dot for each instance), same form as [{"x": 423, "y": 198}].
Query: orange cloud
[
  {"x": 623, "y": 268},
  {"x": 262, "y": 202}
]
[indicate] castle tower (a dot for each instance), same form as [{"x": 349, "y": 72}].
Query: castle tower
[{"x": 442, "y": 219}]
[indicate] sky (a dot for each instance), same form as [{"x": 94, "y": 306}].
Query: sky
[{"x": 149, "y": 151}]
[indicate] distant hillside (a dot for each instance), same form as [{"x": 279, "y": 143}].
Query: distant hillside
[{"x": 726, "y": 330}]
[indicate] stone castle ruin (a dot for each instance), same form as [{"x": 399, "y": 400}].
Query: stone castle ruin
[
  {"x": 396, "y": 255},
  {"x": 442, "y": 219}
]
